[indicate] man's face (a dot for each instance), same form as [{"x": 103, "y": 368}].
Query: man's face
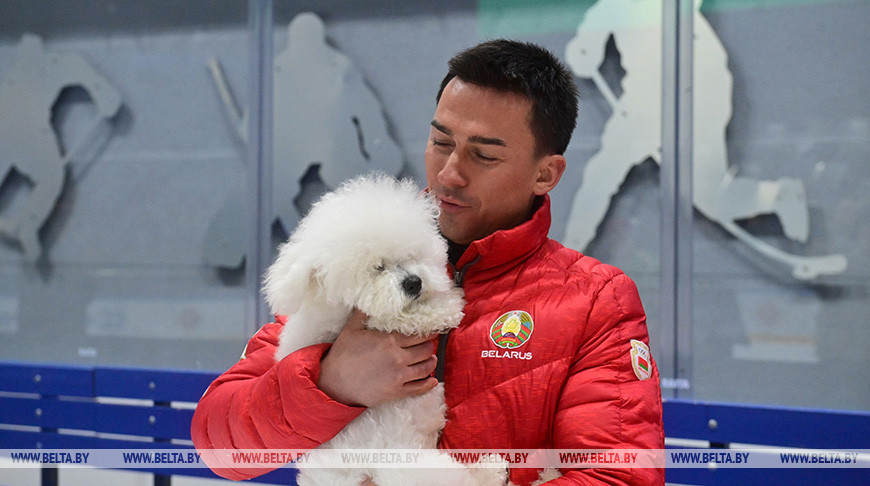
[{"x": 481, "y": 162}]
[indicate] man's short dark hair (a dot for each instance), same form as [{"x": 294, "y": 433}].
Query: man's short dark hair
[{"x": 530, "y": 70}]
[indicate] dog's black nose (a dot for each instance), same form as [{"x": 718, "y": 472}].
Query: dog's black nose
[{"x": 412, "y": 285}]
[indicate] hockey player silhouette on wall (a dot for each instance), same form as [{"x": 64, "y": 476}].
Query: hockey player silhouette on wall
[
  {"x": 327, "y": 122},
  {"x": 29, "y": 144},
  {"x": 633, "y": 133}
]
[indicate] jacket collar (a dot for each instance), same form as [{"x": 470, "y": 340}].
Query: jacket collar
[{"x": 504, "y": 249}]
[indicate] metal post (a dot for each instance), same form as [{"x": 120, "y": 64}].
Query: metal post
[
  {"x": 259, "y": 149},
  {"x": 676, "y": 181}
]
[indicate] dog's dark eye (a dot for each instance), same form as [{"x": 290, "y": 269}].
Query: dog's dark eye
[{"x": 380, "y": 268}]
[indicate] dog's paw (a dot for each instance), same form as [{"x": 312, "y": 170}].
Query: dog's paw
[
  {"x": 547, "y": 475},
  {"x": 490, "y": 470}
]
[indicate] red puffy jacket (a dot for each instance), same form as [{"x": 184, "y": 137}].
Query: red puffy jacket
[{"x": 543, "y": 359}]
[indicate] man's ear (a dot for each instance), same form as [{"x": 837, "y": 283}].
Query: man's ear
[{"x": 550, "y": 170}]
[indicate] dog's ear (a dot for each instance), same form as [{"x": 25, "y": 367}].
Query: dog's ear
[{"x": 288, "y": 280}]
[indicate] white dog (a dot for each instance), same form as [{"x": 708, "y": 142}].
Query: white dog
[{"x": 373, "y": 244}]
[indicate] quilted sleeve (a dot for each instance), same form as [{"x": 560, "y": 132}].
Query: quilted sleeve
[
  {"x": 612, "y": 400},
  {"x": 261, "y": 404}
]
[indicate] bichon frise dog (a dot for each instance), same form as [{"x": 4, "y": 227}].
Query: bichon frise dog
[{"x": 373, "y": 244}]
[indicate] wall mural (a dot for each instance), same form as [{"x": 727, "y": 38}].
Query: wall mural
[
  {"x": 633, "y": 134},
  {"x": 30, "y": 145},
  {"x": 326, "y": 119},
  {"x": 329, "y": 124}
]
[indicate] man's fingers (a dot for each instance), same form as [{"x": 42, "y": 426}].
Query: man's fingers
[
  {"x": 366, "y": 367},
  {"x": 420, "y": 370},
  {"x": 420, "y": 387},
  {"x": 419, "y": 353}
]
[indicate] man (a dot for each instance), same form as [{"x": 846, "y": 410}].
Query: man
[{"x": 553, "y": 350}]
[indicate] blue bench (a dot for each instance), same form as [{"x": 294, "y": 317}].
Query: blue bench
[
  {"x": 71, "y": 407},
  {"x": 719, "y": 426}
]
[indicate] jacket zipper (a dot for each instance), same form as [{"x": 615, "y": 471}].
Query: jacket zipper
[{"x": 458, "y": 277}]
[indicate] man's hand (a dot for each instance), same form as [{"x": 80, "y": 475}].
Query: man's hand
[{"x": 366, "y": 367}]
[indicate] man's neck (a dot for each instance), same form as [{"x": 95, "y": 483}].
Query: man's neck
[{"x": 454, "y": 252}]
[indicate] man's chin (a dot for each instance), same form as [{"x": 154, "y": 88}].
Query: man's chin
[{"x": 454, "y": 233}]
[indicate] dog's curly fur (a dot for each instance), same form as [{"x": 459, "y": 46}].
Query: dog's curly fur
[{"x": 373, "y": 244}]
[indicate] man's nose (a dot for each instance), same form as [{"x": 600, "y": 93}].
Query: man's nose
[{"x": 450, "y": 175}]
